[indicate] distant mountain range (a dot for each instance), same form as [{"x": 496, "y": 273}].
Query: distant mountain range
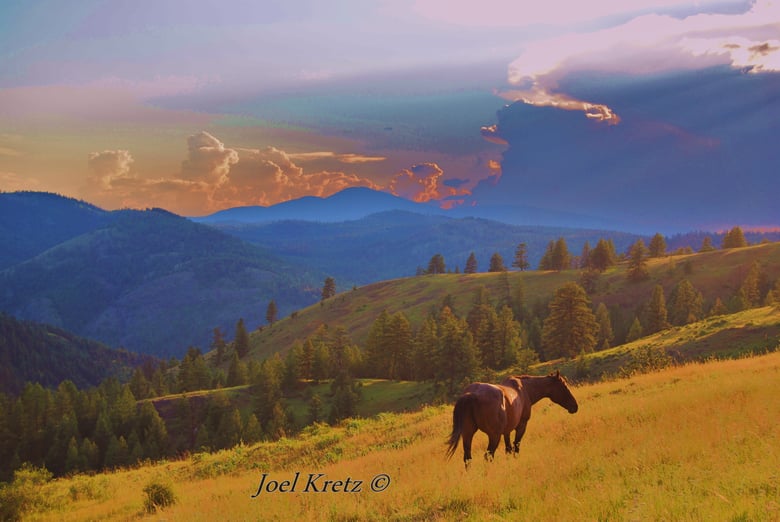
[
  {"x": 148, "y": 281},
  {"x": 156, "y": 283}
]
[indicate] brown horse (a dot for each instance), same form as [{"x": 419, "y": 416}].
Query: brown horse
[{"x": 497, "y": 409}]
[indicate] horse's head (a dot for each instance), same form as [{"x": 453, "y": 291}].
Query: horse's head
[{"x": 560, "y": 393}]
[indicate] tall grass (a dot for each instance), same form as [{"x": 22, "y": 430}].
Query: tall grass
[{"x": 697, "y": 442}]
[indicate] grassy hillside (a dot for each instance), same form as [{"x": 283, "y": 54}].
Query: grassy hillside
[
  {"x": 715, "y": 274},
  {"x": 696, "y": 442}
]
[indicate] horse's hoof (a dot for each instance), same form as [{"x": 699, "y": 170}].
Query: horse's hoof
[{"x": 467, "y": 463}]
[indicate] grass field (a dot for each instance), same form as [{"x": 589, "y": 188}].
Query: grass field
[{"x": 694, "y": 442}]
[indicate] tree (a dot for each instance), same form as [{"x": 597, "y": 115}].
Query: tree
[
  {"x": 471, "y": 264},
  {"x": 751, "y": 285},
  {"x": 585, "y": 256},
  {"x": 561, "y": 259},
  {"x": 218, "y": 343},
  {"x": 237, "y": 372},
  {"x": 270, "y": 312},
  {"x": 521, "y": 257},
  {"x": 637, "y": 262},
  {"x": 685, "y": 304},
  {"x": 436, "y": 265},
  {"x": 657, "y": 315},
  {"x": 657, "y": 246},
  {"x": 496, "y": 263},
  {"x": 605, "y": 333},
  {"x": 241, "y": 342},
  {"x": 603, "y": 255},
  {"x": 456, "y": 356},
  {"x": 570, "y": 326},
  {"x": 328, "y": 288},
  {"x": 734, "y": 238},
  {"x": 706, "y": 245},
  {"x": 635, "y": 332}
]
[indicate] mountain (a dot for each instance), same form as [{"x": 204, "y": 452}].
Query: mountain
[
  {"x": 151, "y": 282},
  {"x": 392, "y": 244},
  {"x": 32, "y": 352},
  {"x": 692, "y": 150},
  {"x": 348, "y": 204},
  {"x": 32, "y": 222}
]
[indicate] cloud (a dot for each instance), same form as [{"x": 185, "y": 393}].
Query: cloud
[
  {"x": 11, "y": 182},
  {"x": 109, "y": 167},
  {"x": 343, "y": 158},
  {"x": 208, "y": 159},
  {"x": 422, "y": 183},
  {"x": 645, "y": 45}
]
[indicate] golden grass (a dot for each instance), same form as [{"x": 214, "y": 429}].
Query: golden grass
[{"x": 698, "y": 442}]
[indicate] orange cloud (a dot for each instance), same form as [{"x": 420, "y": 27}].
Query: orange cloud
[{"x": 422, "y": 183}]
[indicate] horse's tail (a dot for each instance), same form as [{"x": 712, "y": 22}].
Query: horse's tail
[{"x": 464, "y": 406}]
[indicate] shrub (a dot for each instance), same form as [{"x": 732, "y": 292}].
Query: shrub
[
  {"x": 158, "y": 495},
  {"x": 23, "y": 493}
]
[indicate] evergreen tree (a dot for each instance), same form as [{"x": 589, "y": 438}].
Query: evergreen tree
[
  {"x": 242, "y": 339},
  {"x": 457, "y": 359},
  {"x": 773, "y": 296},
  {"x": 585, "y": 256},
  {"x": 228, "y": 433},
  {"x": 657, "y": 246},
  {"x": 218, "y": 343},
  {"x": 328, "y": 288},
  {"x": 718, "y": 308},
  {"x": 271, "y": 312},
  {"x": 471, "y": 264},
  {"x": 237, "y": 372},
  {"x": 546, "y": 262},
  {"x": 252, "y": 431},
  {"x": 315, "y": 409},
  {"x": 603, "y": 255},
  {"x": 436, "y": 265},
  {"x": 685, "y": 304},
  {"x": 706, "y": 245},
  {"x": 734, "y": 238},
  {"x": 570, "y": 326},
  {"x": 635, "y": 332},
  {"x": 637, "y": 262},
  {"x": 604, "y": 322},
  {"x": 496, "y": 263},
  {"x": 521, "y": 257},
  {"x": 345, "y": 398},
  {"x": 656, "y": 315},
  {"x": 751, "y": 286},
  {"x": 561, "y": 259}
]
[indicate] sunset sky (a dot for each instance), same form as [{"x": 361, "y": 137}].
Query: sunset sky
[{"x": 200, "y": 105}]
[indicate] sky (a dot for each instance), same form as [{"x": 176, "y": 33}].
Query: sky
[{"x": 200, "y": 105}]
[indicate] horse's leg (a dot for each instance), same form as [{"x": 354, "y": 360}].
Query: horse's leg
[
  {"x": 507, "y": 446},
  {"x": 469, "y": 428},
  {"x": 494, "y": 439},
  {"x": 519, "y": 432}
]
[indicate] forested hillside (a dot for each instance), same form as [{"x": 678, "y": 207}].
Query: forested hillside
[{"x": 32, "y": 352}]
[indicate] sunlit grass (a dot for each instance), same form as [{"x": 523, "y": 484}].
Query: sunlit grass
[{"x": 698, "y": 442}]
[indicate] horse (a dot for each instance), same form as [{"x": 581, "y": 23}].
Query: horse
[{"x": 497, "y": 409}]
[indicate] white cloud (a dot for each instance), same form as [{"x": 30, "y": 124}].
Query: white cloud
[{"x": 645, "y": 45}]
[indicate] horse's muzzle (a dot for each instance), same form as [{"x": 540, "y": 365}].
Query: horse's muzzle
[{"x": 574, "y": 408}]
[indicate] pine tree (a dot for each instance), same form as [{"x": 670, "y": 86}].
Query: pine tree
[
  {"x": 561, "y": 259},
  {"x": 457, "y": 359},
  {"x": 585, "y": 256},
  {"x": 751, "y": 286},
  {"x": 252, "y": 431},
  {"x": 657, "y": 246},
  {"x": 237, "y": 372},
  {"x": 637, "y": 262},
  {"x": 242, "y": 339},
  {"x": 521, "y": 257},
  {"x": 271, "y": 312},
  {"x": 734, "y": 238},
  {"x": 570, "y": 326},
  {"x": 436, "y": 265},
  {"x": 603, "y": 255},
  {"x": 657, "y": 315},
  {"x": 328, "y": 288},
  {"x": 604, "y": 322},
  {"x": 635, "y": 332},
  {"x": 718, "y": 308},
  {"x": 706, "y": 245},
  {"x": 496, "y": 263},
  {"x": 471, "y": 264},
  {"x": 685, "y": 304}
]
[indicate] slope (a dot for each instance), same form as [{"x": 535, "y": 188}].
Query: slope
[
  {"x": 695, "y": 441},
  {"x": 152, "y": 282}
]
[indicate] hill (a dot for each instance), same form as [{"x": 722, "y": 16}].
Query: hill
[
  {"x": 689, "y": 441},
  {"x": 32, "y": 352},
  {"x": 716, "y": 274},
  {"x": 33, "y": 222},
  {"x": 152, "y": 282},
  {"x": 392, "y": 244}
]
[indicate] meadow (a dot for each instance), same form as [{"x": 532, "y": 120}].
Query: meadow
[{"x": 699, "y": 441}]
